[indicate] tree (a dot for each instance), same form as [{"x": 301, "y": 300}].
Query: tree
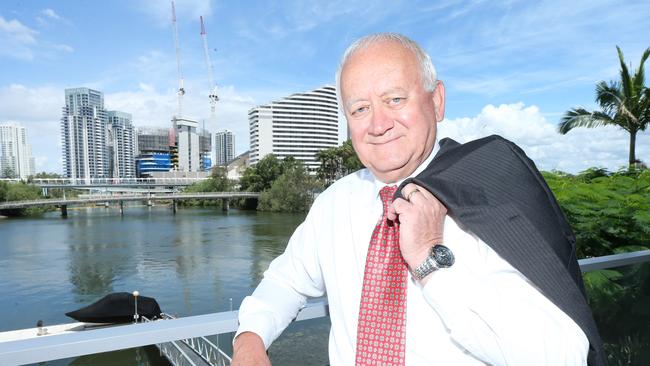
[
  {"x": 337, "y": 162},
  {"x": 291, "y": 192},
  {"x": 46, "y": 175},
  {"x": 624, "y": 103},
  {"x": 20, "y": 192},
  {"x": 8, "y": 172},
  {"x": 261, "y": 176},
  {"x": 217, "y": 182}
]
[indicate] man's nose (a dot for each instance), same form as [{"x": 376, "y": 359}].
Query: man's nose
[{"x": 381, "y": 122}]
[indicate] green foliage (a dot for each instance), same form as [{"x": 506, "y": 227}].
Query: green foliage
[
  {"x": 20, "y": 192},
  {"x": 45, "y": 175},
  {"x": 261, "y": 176},
  {"x": 218, "y": 182},
  {"x": 610, "y": 213},
  {"x": 291, "y": 192},
  {"x": 337, "y": 162},
  {"x": 607, "y": 212}
]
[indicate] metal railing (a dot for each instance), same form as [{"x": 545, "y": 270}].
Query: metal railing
[
  {"x": 175, "y": 354},
  {"x": 205, "y": 352},
  {"x": 208, "y": 351},
  {"x": 62, "y": 182},
  {"x": 126, "y": 197},
  {"x": 136, "y": 335}
]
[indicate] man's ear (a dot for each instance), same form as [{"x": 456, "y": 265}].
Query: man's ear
[{"x": 438, "y": 97}]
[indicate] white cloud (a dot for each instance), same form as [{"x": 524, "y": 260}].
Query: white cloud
[
  {"x": 39, "y": 110},
  {"x": 51, "y": 14},
  {"x": 20, "y": 41},
  {"x": 63, "y": 47},
  {"x": 526, "y": 126},
  {"x": 16, "y": 39},
  {"x": 152, "y": 108},
  {"x": 22, "y": 103},
  {"x": 146, "y": 87}
]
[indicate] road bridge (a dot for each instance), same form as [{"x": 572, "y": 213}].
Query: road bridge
[
  {"x": 63, "y": 203},
  {"x": 94, "y": 183}
]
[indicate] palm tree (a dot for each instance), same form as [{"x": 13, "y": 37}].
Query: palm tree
[{"x": 624, "y": 103}]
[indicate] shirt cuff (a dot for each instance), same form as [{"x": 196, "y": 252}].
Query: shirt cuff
[{"x": 259, "y": 324}]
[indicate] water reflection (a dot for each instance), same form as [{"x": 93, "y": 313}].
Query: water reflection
[{"x": 192, "y": 263}]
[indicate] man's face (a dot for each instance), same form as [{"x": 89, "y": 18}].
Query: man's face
[{"x": 392, "y": 119}]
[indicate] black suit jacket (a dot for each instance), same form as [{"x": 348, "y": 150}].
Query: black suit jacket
[{"x": 491, "y": 187}]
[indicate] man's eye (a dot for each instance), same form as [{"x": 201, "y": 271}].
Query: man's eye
[
  {"x": 396, "y": 100},
  {"x": 359, "y": 110}
]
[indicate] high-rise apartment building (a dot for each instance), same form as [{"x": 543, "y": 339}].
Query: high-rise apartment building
[
  {"x": 299, "y": 125},
  {"x": 224, "y": 142},
  {"x": 16, "y": 159},
  {"x": 84, "y": 135},
  {"x": 122, "y": 145}
]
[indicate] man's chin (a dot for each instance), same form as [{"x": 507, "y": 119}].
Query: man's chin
[{"x": 392, "y": 170}]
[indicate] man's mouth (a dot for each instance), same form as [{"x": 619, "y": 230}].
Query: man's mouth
[{"x": 385, "y": 141}]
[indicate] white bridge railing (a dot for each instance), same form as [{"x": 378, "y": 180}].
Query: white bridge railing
[
  {"x": 193, "y": 351},
  {"x": 55, "y": 347},
  {"x": 56, "y": 182}
]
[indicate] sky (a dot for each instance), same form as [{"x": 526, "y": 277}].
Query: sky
[{"x": 511, "y": 68}]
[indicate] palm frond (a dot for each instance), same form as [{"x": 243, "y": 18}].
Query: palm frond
[
  {"x": 609, "y": 96},
  {"x": 639, "y": 75},
  {"x": 626, "y": 80},
  {"x": 580, "y": 117}
]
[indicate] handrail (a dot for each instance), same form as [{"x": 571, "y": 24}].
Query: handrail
[
  {"x": 614, "y": 260},
  {"x": 52, "y": 347}
]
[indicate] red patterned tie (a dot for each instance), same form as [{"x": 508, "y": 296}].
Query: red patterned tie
[{"x": 381, "y": 333}]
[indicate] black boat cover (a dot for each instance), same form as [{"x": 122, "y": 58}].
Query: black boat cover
[{"x": 117, "y": 307}]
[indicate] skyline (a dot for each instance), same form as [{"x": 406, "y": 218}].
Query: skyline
[{"x": 510, "y": 67}]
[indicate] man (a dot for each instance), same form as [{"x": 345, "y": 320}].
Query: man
[{"x": 478, "y": 310}]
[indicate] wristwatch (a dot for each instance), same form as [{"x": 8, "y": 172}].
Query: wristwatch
[{"x": 439, "y": 257}]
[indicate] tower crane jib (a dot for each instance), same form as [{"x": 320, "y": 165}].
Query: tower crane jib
[
  {"x": 213, "y": 88},
  {"x": 181, "y": 87}
]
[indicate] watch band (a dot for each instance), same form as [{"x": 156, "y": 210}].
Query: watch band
[{"x": 439, "y": 256}]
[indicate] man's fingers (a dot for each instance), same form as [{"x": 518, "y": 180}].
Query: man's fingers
[
  {"x": 409, "y": 191},
  {"x": 396, "y": 208}
]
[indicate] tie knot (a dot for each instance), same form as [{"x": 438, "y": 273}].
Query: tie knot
[{"x": 386, "y": 194}]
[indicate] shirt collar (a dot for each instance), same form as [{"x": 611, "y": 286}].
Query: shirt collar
[{"x": 378, "y": 184}]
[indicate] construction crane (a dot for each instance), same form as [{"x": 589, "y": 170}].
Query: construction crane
[
  {"x": 213, "y": 88},
  {"x": 181, "y": 87}
]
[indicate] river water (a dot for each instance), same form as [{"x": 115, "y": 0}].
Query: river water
[{"x": 193, "y": 263}]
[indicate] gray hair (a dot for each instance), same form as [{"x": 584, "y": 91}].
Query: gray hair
[{"x": 427, "y": 70}]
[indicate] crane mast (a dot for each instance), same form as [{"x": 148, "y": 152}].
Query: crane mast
[
  {"x": 181, "y": 87},
  {"x": 213, "y": 88}
]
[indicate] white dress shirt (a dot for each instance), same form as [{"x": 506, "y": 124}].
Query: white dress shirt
[{"x": 479, "y": 311}]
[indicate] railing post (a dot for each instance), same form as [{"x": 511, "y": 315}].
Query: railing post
[
  {"x": 174, "y": 206},
  {"x": 122, "y": 208},
  {"x": 64, "y": 211}
]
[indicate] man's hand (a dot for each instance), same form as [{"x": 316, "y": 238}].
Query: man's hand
[
  {"x": 422, "y": 218},
  {"x": 249, "y": 350}
]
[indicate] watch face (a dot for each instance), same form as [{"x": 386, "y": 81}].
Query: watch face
[{"x": 443, "y": 255}]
